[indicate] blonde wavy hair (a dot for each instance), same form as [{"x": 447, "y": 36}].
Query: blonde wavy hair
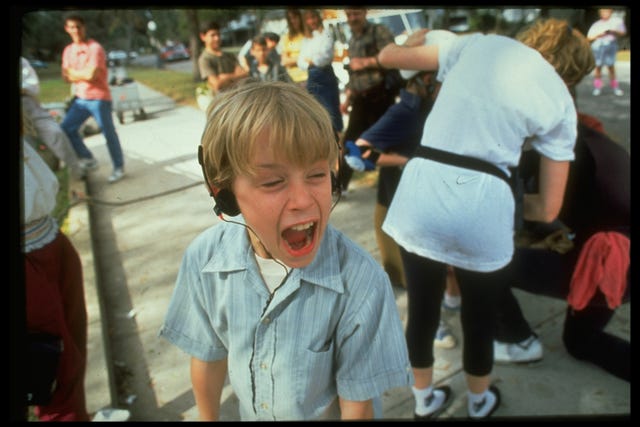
[
  {"x": 564, "y": 47},
  {"x": 299, "y": 127}
]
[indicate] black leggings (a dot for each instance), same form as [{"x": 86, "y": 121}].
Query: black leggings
[{"x": 480, "y": 293}]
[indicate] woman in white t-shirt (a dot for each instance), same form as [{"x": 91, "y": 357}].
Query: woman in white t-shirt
[
  {"x": 454, "y": 204},
  {"x": 316, "y": 56}
]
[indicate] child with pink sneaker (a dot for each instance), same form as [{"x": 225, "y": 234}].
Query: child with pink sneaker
[{"x": 603, "y": 36}]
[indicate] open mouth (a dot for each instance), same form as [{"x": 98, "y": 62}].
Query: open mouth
[{"x": 299, "y": 236}]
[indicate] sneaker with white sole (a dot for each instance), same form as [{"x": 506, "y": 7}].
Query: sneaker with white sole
[
  {"x": 444, "y": 338},
  {"x": 112, "y": 414},
  {"x": 117, "y": 175},
  {"x": 527, "y": 351},
  {"x": 475, "y": 409},
  {"x": 88, "y": 164},
  {"x": 618, "y": 92},
  {"x": 596, "y": 92},
  {"x": 448, "y": 398}
]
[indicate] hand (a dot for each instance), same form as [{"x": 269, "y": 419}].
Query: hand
[
  {"x": 357, "y": 64},
  {"x": 416, "y": 38}
]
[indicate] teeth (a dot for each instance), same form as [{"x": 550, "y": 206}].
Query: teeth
[{"x": 302, "y": 227}]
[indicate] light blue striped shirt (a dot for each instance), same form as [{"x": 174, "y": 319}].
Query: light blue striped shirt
[{"x": 332, "y": 328}]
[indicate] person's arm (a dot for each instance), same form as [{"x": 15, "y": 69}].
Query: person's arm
[
  {"x": 412, "y": 55},
  {"x": 344, "y": 105},
  {"x": 364, "y": 62},
  {"x": 89, "y": 72},
  {"x": 390, "y": 159},
  {"x": 286, "y": 57},
  {"x": 224, "y": 80},
  {"x": 356, "y": 410},
  {"x": 545, "y": 205},
  {"x": 383, "y": 158},
  {"x": 207, "y": 379},
  {"x": 242, "y": 55},
  {"x": 383, "y": 37},
  {"x": 85, "y": 74}
]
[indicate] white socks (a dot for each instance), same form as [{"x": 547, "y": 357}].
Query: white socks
[
  {"x": 427, "y": 399},
  {"x": 479, "y": 405},
  {"x": 452, "y": 301}
]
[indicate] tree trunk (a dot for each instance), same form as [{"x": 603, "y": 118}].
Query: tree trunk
[{"x": 194, "y": 41}]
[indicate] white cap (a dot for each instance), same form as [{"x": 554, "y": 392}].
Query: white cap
[{"x": 432, "y": 37}]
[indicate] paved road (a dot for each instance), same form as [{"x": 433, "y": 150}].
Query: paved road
[{"x": 131, "y": 238}]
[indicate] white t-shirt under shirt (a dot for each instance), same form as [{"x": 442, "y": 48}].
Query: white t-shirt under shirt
[{"x": 496, "y": 93}]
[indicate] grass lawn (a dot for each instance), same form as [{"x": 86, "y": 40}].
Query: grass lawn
[{"x": 177, "y": 85}]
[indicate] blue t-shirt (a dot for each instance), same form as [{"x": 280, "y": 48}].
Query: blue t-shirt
[{"x": 399, "y": 129}]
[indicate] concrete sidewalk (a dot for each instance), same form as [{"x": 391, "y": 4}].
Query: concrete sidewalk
[{"x": 131, "y": 236}]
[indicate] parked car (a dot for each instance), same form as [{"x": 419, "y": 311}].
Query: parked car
[
  {"x": 117, "y": 58},
  {"x": 176, "y": 52},
  {"x": 36, "y": 63},
  {"x": 117, "y": 55}
]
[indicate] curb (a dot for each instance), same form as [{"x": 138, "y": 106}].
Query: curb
[{"x": 100, "y": 390}]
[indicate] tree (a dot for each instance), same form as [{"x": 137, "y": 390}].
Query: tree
[{"x": 194, "y": 41}]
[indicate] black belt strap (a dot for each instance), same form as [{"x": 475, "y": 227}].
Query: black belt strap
[{"x": 461, "y": 161}]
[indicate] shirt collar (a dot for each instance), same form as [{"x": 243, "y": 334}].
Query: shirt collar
[{"x": 238, "y": 255}]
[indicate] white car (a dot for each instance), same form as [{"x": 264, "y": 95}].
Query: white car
[{"x": 117, "y": 58}]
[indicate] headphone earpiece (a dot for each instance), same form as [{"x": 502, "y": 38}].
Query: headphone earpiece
[{"x": 225, "y": 200}]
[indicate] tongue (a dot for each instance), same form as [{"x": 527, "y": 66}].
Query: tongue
[{"x": 295, "y": 238}]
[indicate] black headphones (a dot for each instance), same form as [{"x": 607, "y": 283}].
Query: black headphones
[{"x": 225, "y": 200}]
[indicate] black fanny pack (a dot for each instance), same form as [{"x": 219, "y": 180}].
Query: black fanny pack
[
  {"x": 514, "y": 182},
  {"x": 461, "y": 161}
]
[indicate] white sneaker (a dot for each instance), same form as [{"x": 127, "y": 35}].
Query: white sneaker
[
  {"x": 596, "y": 92},
  {"x": 88, "y": 164},
  {"x": 529, "y": 350},
  {"x": 444, "y": 338},
  {"x": 117, "y": 175},
  {"x": 112, "y": 414},
  {"x": 618, "y": 92}
]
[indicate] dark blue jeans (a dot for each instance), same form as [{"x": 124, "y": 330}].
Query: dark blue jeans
[
  {"x": 322, "y": 83},
  {"x": 101, "y": 111}
]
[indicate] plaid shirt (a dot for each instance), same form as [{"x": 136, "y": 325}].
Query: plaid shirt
[{"x": 373, "y": 38}]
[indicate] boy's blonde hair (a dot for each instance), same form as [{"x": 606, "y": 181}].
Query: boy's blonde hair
[
  {"x": 564, "y": 47},
  {"x": 299, "y": 127}
]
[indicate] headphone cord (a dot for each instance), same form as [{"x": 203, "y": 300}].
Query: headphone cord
[{"x": 287, "y": 270}]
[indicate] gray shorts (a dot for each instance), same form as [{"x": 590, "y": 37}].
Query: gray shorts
[{"x": 604, "y": 53}]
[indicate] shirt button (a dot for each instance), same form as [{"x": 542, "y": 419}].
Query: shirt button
[
  {"x": 263, "y": 366},
  {"x": 266, "y": 320},
  {"x": 264, "y": 406}
]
